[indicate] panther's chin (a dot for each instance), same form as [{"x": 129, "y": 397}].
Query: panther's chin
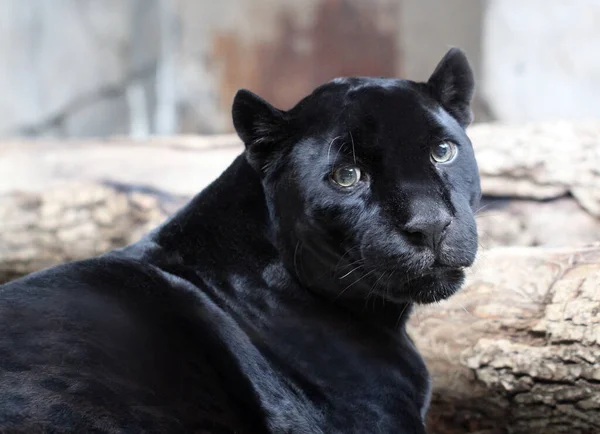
[{"x": 435, "y": 286}]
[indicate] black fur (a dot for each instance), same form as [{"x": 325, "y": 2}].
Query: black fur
[{"x": 276, "y": 301}]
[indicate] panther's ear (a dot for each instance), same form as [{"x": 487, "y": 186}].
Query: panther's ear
[
  {"x": 452, "y": 84},
  {"x": 258, "y": 124}
]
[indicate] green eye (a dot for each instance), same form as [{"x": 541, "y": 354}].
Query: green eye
[
  {"x": 443, "y": 152},
  {"x": 346, "y": 176}
]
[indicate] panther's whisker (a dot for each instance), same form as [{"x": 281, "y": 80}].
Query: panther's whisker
[
  {"x": 351, "y": 271},
  {"x": 344, "y": 255},
  {"x": 378, "y": 280},
  {"x": 401, "y": 314},
  {"x": 354, "y": 283},
  {"x": 481, "y": 208},
  {"x": 338, "y": 152},
  {"x": 368, "y": 298},
  {"x": 479, "y": 243},
  {"x": 374, "y": 287},
  {"x": 295, "y": 257},
  {"x": 387, "y": 284},
  {"x": 353, "y": 150},
  {"x": 465, "y": 309},
  {"x": 329, "y": 148},
  {"x": 348, "y": 265}
]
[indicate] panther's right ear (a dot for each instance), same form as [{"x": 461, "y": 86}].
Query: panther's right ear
[
  {"x": 452, "y": 84},
  {"x": 258, "y": 124}
]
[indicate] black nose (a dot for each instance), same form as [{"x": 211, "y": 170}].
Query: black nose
[{"x": 427, "y": 229}]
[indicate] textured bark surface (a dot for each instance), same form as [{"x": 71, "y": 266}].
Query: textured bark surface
[
  {"x": 541, "y": 183},
  {"x": 518, "y": 349},
  {"x": 75, "y": 222},
  {"x": 176, "y": 165},
  {"x": 544, "y": 161},
  {"x": 63, "y": 201}
]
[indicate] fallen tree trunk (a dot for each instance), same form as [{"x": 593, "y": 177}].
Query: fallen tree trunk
[
  {"x": 74, "y": 222},
  {"x": 518, "y": 349},
  {"x": 64, "y": 201},
  {"x": 541, "y": 183}
]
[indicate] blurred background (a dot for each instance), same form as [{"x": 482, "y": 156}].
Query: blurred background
[{"x": 94, "y": 68}]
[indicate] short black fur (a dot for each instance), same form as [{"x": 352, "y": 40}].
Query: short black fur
[{"x": 276, "y": 300}]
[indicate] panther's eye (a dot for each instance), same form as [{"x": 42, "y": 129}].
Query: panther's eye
[
  {"x": 443, "y": 152},
  {"x": 346, "y": 176}
]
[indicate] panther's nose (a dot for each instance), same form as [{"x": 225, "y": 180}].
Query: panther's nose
[{"x": 427, "y": 229}]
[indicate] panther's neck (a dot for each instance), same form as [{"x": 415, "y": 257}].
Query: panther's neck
[
  {"x": 223, "y": 227},
  {"x": 226, "y": 229}
]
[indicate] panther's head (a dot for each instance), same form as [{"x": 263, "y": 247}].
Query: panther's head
[{"x": 371, "y": 183}]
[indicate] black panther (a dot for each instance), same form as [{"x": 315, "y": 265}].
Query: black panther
[{"x": 276, "y": 300}]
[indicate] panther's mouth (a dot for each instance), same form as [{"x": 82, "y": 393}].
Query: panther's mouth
[
  {"x": 440, "y": 267},
  {"x": 437, "y": 286},
  {"x": 430, "y": 285}
]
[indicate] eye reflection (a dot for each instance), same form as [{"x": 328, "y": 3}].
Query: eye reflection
[
  {"x": 346, "y": 176},
  {"x": 443, "y": 152}
]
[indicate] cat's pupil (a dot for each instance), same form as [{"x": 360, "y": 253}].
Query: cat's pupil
[
  {"x": 346, "y": 176},
  {"x": 443, "y": 152}
]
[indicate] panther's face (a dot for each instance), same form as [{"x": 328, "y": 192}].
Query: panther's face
[{"x": 371, "y": 183}]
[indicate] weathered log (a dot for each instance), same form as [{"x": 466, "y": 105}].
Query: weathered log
[
  {"x": 541, "y": 183},
  {"x": 540, "y": 161},
  {"x": 518, "y": 349},
  {"x": 63, "y": 201},
  {"x": 75, "y": 222},
  {"x": 176, "y": 165}
]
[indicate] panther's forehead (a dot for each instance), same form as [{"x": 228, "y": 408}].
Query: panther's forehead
[
  {"x": 348, "y": 91},
  {"x": 374, "y": 106},
  {"x": 375, "y": 118}
]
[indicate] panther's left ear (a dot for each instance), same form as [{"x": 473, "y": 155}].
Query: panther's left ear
[
  {"x": 452, "y": 84},
  {"x": 259, "y": 125}
]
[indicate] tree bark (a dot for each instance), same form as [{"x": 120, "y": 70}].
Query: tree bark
[
  {"x": 75, "y": 222},
  {"x": 541, "y": 183},
  {"x": 64, "y": 201},
  {"x": 518, "y": 349}
]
